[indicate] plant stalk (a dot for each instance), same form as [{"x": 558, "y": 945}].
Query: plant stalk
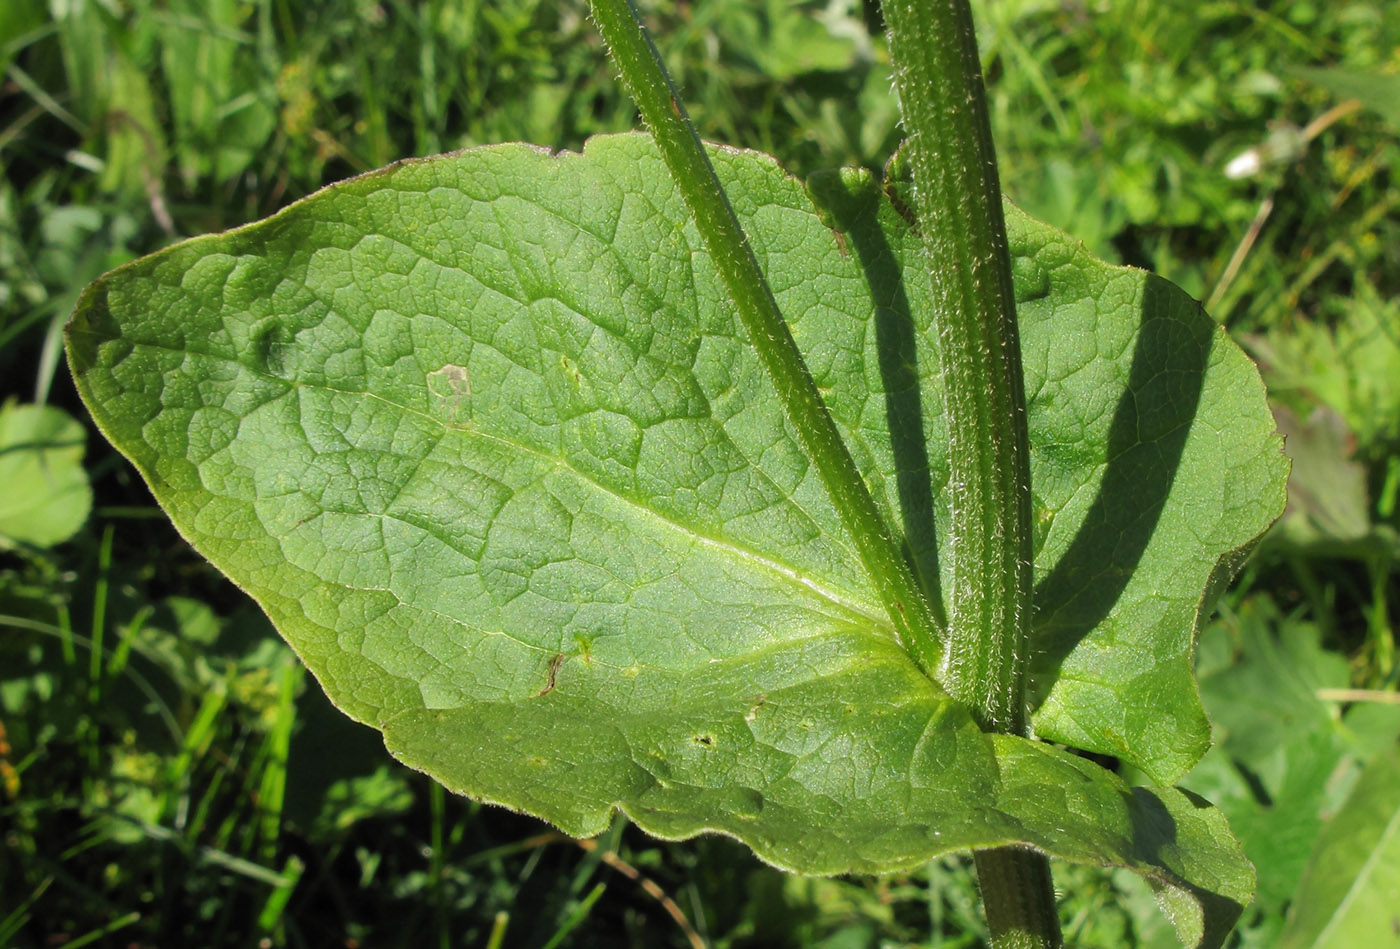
[
  {"x": 645, "y": 78},
  {"x": 957, "y": 197}
]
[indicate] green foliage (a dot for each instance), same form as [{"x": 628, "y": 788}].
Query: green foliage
[
  {"x": 1097, "y": 117},
  {"x": 47, "y": 496},
  {"x": 1374, "y": 90},
  {"x": 1114, "y": 121},
  {"x": 219, "y": 126},
  {"x": 1285, "y": 757},
  {"x": 1348, "y": 895},
  {"x": 498, "y": 480},
  {"x": 1349, "y": 367}
]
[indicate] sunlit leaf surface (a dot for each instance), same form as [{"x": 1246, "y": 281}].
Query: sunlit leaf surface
[{"x": 484, "y": 438}]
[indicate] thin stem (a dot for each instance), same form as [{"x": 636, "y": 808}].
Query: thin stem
[
  {"x": 646, "y": 80},
  {"x": 957, "y": 197}
]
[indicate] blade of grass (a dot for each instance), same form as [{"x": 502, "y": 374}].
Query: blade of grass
[
  {"x": 579, "y": 914},
  {"x": 50, "y": 353},
  {"x": 272, "y": 788},
  {"x": 1377, "y": 696},
  {"x": 89, "y": 739},
  {"x": 271, "y": 915},
  {"x": 14, "y": 921},
  {"x": 437, "y": 861},
  {"x": 1379, "y": 633},
  {"x": 99, "y": 616},
  {"x": 204, "y": 854},
  {"x": 596, "y": 850},
  {"x": 128, "y": 633},
  {"x": 1389, "y": 494},
  {"x": 64, "y": 630},
  {"x": 130, "y": 513},
  {"x": 37, "y": 92},
  {"x": 194, "y": 827},
  {"x": 608, "y": 855},
  {"x": 121, "y": 922},
  {"x": 197, "y": 739},
  {"x": 498, "y": 930},
  {"x": 69, "y": 641},
  {"x": 19, "y": 325}
]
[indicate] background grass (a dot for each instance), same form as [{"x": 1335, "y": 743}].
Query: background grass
[{"x": 168, "y": 775}]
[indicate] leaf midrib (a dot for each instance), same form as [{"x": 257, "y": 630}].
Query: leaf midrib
[{"x": 737, "y": 551}]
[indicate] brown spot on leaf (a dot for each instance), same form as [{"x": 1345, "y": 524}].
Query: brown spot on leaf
[{"x": 555, "y": 662}]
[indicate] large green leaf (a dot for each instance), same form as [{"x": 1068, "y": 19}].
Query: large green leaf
[{"x": 483, "y": 437}]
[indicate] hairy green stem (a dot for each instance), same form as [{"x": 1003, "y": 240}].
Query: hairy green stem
[
  {"x": 957, "y": 197},
  {"x": 1019, "y": 898},
  {"x": 646, "y": 80},
  {"x": 958, "y": 200}
]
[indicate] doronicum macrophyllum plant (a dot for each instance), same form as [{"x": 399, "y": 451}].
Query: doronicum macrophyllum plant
[{"x": 827, "y": 515}]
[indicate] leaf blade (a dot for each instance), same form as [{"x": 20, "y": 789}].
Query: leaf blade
[{"x": 480, "y": 437}]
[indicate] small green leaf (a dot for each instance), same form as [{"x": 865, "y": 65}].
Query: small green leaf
[
  {"x": 46, "y": 496},
  {"x": 482, "y": 436},
  {"x": 1350, "y": 893}
]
